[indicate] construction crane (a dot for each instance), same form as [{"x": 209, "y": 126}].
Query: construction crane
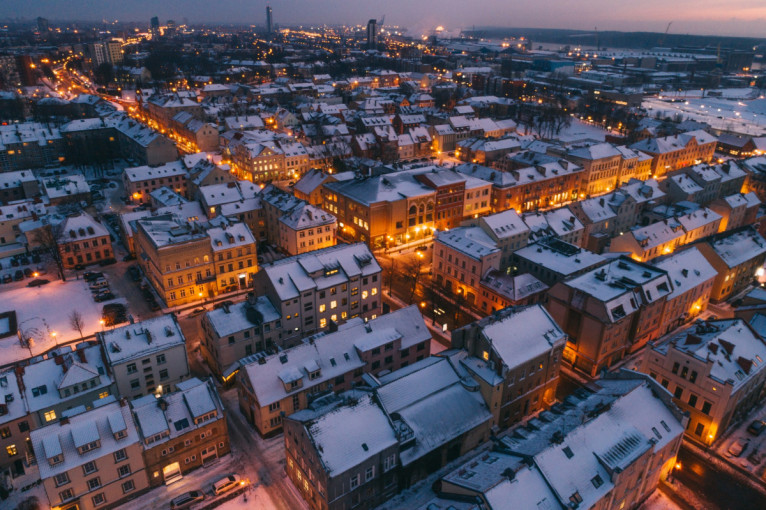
[{"x": 662, "y": 39}]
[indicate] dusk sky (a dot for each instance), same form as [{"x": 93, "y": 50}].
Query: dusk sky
[{"x": 729, "y": 17}]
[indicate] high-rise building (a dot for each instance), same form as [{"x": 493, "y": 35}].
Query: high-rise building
[
  {"x": 42, "y": 25},
  {"x": 371, "y": 33},
  {"x": 269, "y": 20},
  {"x": 154, "y": 27}
]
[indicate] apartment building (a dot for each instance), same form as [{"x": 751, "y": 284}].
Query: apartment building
[
  {"x": 361, "y": 448},
  {"x": 609, "y": 312},
  {"x": 736, "y": 255},
  {"x": 65, "y": 380},
  {"x": 620, "y": 436},
  {"x": 181, "y": 430},
  {"x": 176, "y": 257},
  {"x": 515, "y": 351},
  {"x": 16, "y": 453},
  {"x": 715, "y": 371},
  {"x": 560, "y": 222},
  {"x": 552, "y": 260},
  {"x": 18, "y": 186},
  {"x": 461, "y": 257},
  {"x": 312, "y": 290},
  {"x": 692, "y": 277},
  {"x": 271, "y": 387},
  {"x": 234, "y": 255},
  {"x": 30, "y": 145},
  {"x": 307, "y": 228},
  {"x": 736, "y": 210},
  {"x": 91, "y": 460},
  {"x": 601, "y": 164},
  {"x": 146, "y": 358},
  {"x": 498, "y": 290},
  {"x": 678, "y": 151},
  {"x": 140, "y": 181}
]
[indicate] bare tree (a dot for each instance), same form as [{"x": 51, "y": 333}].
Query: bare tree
[
  {"x": 412, "y": 273},
  {"x": 47, "y": 240},
  {"x": 76, "y": 321}
]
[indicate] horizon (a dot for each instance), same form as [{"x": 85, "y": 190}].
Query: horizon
[{"x": 652, "y": 16}]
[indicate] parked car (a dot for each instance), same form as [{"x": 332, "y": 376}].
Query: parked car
[
  {"x": 197, "y": 311},
  {"x": 756, "y": 427},
  {"x": 128, "y": 257},
  {"x": 91, "y": 275},
  {"x": 28, "y": 272},
  {"x": 36, "y": 258},
  {"x": 187, "y": 499},
  {"x": 738, "y": 447},
  {"x": 107, "y": 262},
  {"x": 103, "y": 296},
  {"x": 15, "y": 262},
  {"x": 7, "y": 278},
  {"x": 41, "y": 270},
  {"x": 154, "y": 306},
  {"x": 24, "y": 261},
  {"x": 99, "y": 284},
  {"x": 226, "y": 484},
  {"x": 38, "y": 283},
  {"x": 135, "y": 273},
  {"x": 18, "y": 275}
]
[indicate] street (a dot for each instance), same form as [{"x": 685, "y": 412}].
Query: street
[{"x": 719, "y": 489}]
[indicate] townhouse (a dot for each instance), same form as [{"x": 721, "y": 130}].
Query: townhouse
[
  {"x": 140, "y": 181},
  {"x": 552, "y": 260},
  {"x": 736, "y": 256},
  {"x": 461, "y": 257},
  {"x": 677, "y": 151},
  {"x": 16, "y": 454}
]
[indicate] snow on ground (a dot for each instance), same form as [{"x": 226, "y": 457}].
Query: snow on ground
[
  {"x": 43, "y": 311},
  {"x": 659, "y": 501},
  {"x": 738, "y": 110},
  {"x": 577, "y": 131}
]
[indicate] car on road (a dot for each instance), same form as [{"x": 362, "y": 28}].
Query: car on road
[
  {"x": 134, "y": 273},
  {"x": 38, "y": 283},
  {"x": 154, "y": 306},
  {"x": 226, "y": 484},
  {"x": 197, "y": 311},
  {"x": 187, "y": 499},
  {"x": 756, "y": 427},
  {"x": 128, "y": 257},
  {"x": 738, "y": 447}
]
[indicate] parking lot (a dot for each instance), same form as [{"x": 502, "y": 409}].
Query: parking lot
[{"x": 752, "y": 457}]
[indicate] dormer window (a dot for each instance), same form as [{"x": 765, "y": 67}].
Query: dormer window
[
  {"x": 314, "y": 375},
  {"x": 89, "y": 446},
  {"x": 56, "y": 459}
]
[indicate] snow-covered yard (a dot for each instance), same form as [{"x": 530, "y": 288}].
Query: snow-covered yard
[
  {"x": 738, "y": 110},
  {"x": 42, "y": 314}
]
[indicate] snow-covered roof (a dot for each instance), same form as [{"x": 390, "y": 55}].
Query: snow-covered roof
[
  {"x": 15, "y": 405},
  {"x": 307, "y": 216},
  {"x": 141, "y": 339},
  {"x": 558, "y": 256},
  {"x": 143, "y": 173},
  {"x": 515, "y": 288},
  {"x": 48, "y": 442},
  {"x": 241, "y": 316},
  {"x": 505, "y": 224},
  {"x": 732, "y": 350},
  {"x": 686, "y": 269},
  {"x": 320, "y": 269},
  {"x": 61, "y": 372},
  {"x": 471, "y": 241},
  {"x": 65, "y": 185},
  {"x": 231, "y": 236},
  {"x": 739, "y": 246}
]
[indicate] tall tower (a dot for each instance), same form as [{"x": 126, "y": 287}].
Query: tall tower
[
  {"x": 371, "y": 33},
  {"x": 269, "y": 22}
]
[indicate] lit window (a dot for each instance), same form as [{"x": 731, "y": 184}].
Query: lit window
[
  {"x": 374, "y": 291},
  {"x": 322, "y": 322},
  {"x": 364, "y": 294},
  {"x": 11, "y": 450},
  {"x": 50, "y": 415},
  {"x": 333, "y": 304},
  {"x": 103, "y": 394},
  {"x": 322, "y": 308}
]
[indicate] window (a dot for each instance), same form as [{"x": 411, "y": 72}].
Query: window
[
  {"x": 354, "y": 483},
  {"x": 568, "y": 452},
  {"x": 99, "y": 499},
  {"x": 94, "y": 483},
  {"x": 163, "y": 374},
  {"x": 693, "y": 400},
  {"x": 675, "y": 367},
  {"x": 123, "y": 470},
  {"x": 89, "y": 467},
  {"x": 5, "y": 432},
  {"x": 706, "y": 407},
  {"x": 50, "y": 415},
  {"x": 597, "y": 481},
  {"x": 161, "y": 359},
  {"x": 389, "y": 462},
  {"x": 61, "y": 479},
  {"x": 128, "y": 486},
  {"x": 693, "y": 377},
  {"x": 369, "y": 474},
  {"x": 679, "y": 392},
  {"x": 66, "y": 495},
  {"x": 120, "y": 455},
  {"x": 274, "y": 406},
  {"x": 699, "y": 429},
  {"x": 134, "y": 384},
  {"x": 132, "y": 368}
]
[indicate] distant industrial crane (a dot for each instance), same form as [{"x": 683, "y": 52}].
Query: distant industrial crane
[{"x": 662, "y": 39}]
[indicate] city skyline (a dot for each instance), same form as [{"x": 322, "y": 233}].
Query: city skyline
[{"x": 706, "y": 17}]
